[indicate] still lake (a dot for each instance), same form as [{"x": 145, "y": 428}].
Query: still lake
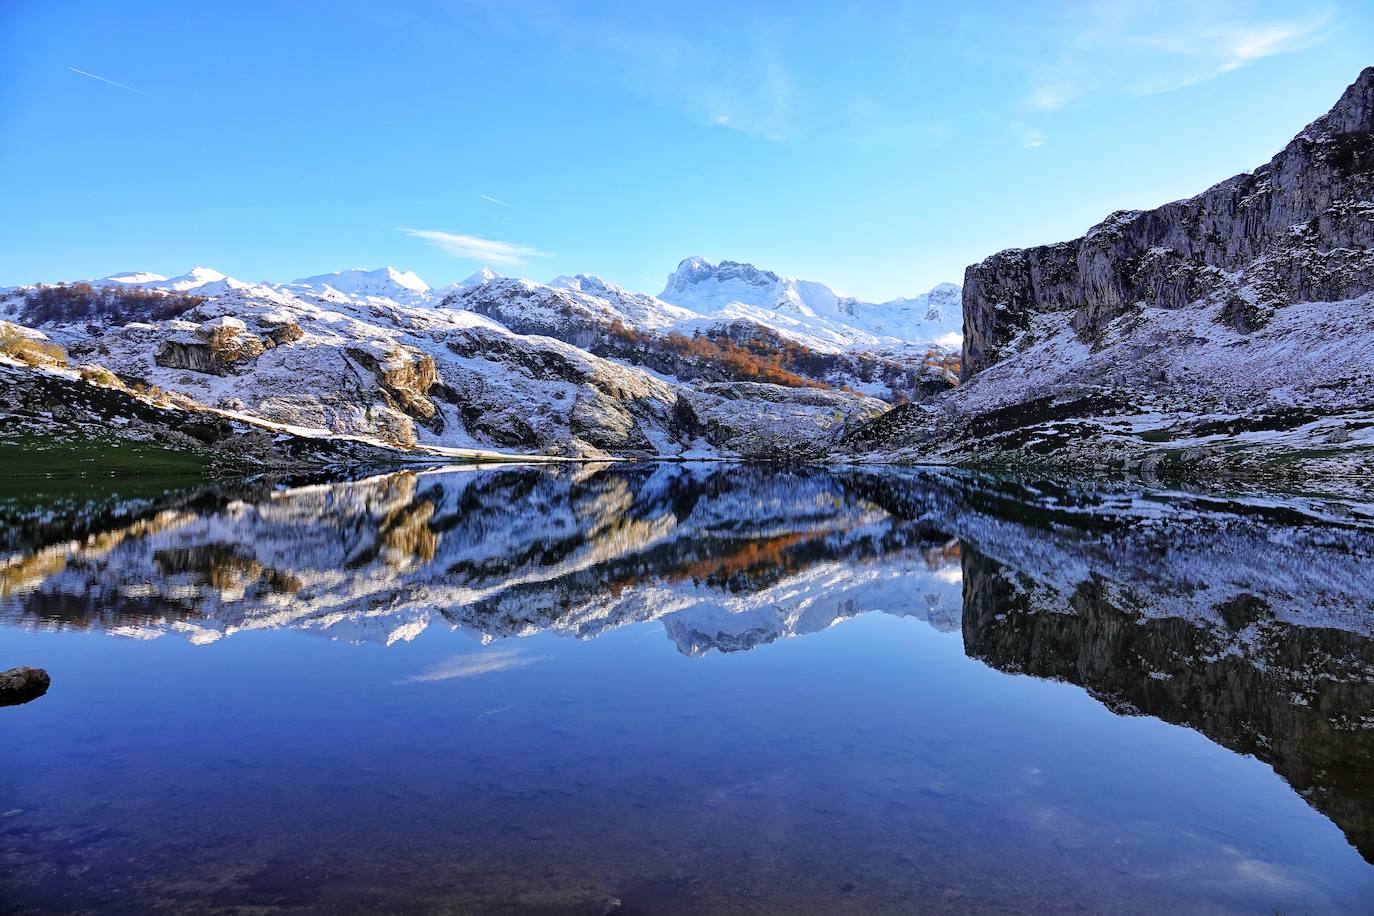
[{"x": 688, "y": 688}]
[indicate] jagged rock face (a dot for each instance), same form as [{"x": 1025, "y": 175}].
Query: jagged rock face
[
  {"x": 1297, "y": 229},
  {"x": 218, "y": 347},
  {"x": 407, "y": 375},
  {"x": 697, "y": 270},
  {"x": 760, "y": 420},
  {"x": 1221, "y": 336}
]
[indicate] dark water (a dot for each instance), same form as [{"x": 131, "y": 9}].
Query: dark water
[{"x": 689, "y": 689}]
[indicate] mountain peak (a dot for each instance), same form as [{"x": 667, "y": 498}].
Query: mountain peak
[
  {"x": 135, "y": 276},
  {"x": 1352, "y": 113},
  {"x": 729, "y": 276},
  {"x": 480, "y": 278},
  {"x": 384, "y": 282},
  {"x": 590, "y": 284}
]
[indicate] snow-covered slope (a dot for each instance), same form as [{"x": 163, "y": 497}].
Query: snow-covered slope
[
  {"x": 385, "y": 283},
  {"x": 813, "y": 310},
  {"x": 370, "y": 354},
  {"x": 699, "y": 297}
]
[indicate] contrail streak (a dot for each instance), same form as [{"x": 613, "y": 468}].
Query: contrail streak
[{"x": 111, "y": 82}]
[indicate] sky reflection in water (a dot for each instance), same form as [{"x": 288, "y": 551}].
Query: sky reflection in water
[{"x": 690, "y": 689}]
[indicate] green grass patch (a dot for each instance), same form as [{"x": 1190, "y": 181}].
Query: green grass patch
[{"x": 36, "y": 467}]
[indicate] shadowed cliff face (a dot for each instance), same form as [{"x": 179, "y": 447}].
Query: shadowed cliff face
[
  {"x": 1246, "y": 617},
  {"x": 1294, "y": 230}
]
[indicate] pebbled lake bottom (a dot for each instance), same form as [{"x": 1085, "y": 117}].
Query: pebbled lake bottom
[{"x": 688, "y": 688}]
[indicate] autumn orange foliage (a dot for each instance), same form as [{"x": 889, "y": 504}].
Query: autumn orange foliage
[{"x": 754, "y": 361}]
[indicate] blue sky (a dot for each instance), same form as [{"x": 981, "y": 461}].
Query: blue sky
[{"x": 877, "y": 147}]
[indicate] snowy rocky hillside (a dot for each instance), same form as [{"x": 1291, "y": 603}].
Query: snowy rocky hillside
[
  {"x": 813, "y": 313},
  {"x": 1228, "y": 333},
  {"x": 381, "y": 356}
]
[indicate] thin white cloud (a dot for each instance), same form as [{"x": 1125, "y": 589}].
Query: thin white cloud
[
  {"x": 474, "y": 248},
  {"x": 1032, "y": 138},
  {"x": 475, "y": 664},
  {"x": 731, "y": 72},
  {"x": 1125, "y": 47},
  {"x": 1049, "y": 97},
  {"x": 495, "y": 201},
  {"x": 95, "y": 76}
]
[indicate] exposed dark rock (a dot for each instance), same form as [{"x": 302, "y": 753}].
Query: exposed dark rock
[
  {"x": 772, "y": 421},
  {"x": 218, "y": 347},
  {"x": 21, "y": 685},
  {"x": 1194, "y": 340}
]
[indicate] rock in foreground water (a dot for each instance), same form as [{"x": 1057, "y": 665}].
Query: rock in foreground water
[{"x": 20, "y": 685}]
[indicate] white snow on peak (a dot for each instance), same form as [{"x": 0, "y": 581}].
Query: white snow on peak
[
  {"x": 203, "y": 281},
  {"x": 195, "y": 277},
  {"x": 481, "y": 278},
  {"x": 592, "y": 285},
  {"x": 134, "y": 276},
  {"x": 698, "y": 295},
  {"x": 383, "y": 283},
  {"x": 732, "y": 289}
]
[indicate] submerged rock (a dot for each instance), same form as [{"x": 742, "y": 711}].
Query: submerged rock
[{"x": 20, "y": 685}]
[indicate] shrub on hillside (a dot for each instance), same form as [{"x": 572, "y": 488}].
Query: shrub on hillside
[
  {"x": 82, "y": 301},
  {"x": 754, "y": 361},
  {"x": 29, "y": 350}
]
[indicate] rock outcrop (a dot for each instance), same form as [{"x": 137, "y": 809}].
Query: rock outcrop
[
  {"x": 763, "y": 420},
  {"x": 22, "y": 685},
  {"x": 217, "y": 347},
  {"x": 1224, "y": 335},
  {"x": 1297, "y": 229},
  {"x": 415, "y": 370}
]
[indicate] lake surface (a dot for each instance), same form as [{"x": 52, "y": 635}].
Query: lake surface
[{"x": 688, "y": 689}]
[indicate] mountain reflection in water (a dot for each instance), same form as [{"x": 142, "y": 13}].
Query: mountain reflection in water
[{"x": 1249, "y": 620}]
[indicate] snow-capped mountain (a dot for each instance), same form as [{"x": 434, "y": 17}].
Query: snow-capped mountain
[
  {"x": 373, "y": 355},
  {"x": 699, "y": 297},
  {"x": 384, "y": 283},
  {"x": 202, "y": 281},
  {"x": 796, "y": 307},
  {"x": 383, "y": 356}
]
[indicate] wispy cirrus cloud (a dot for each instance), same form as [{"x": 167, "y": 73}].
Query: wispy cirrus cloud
[
  {"x": 475, "y": 248},
  {"x": 1129, "y": 48},
  {"x": 475, "y": 664},
  {"x": 96, "y": 76},
  {"x": 733, "y": 72}
]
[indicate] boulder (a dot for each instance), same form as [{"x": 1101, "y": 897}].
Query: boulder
[{"x": 20, "y": 685}]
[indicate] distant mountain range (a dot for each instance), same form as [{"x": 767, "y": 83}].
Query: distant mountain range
[
  {"x": 698, "y": 295},
  {"x": 574, "y": 367}
]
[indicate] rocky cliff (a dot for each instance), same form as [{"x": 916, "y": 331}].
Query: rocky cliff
[
  {"x": 1226, "y": 334},
  {"x": 1296, "y": 229}
]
